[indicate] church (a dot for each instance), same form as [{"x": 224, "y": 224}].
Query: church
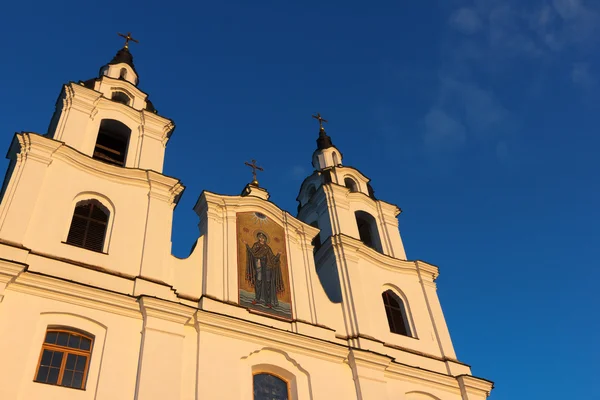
[{"x": 268, "y": 305}]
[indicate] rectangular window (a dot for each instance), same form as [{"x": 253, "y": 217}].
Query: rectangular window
[{"x": 65, "y": 358}]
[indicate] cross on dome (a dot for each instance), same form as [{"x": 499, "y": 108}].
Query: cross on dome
[
  {"x": 127, "y": 37},
  {"x": 321, "y": 120},
  {"x": 254, "y": 169}
]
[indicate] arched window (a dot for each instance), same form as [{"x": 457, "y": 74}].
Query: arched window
[
  {"x": 88, "y": 226},
  {"x": 396, "y": 313},
  {"x": 65, "y": 358},
  {"x": 270, "y": 387},
  {"x": 335, "y": 159},
  {"x": 351, "y": 184},
  {"x": 367, "y": 230},
  {"x": 123, "y": 73},
  {"x": 112, "y": 142},
  {"x": 316, "y": 242},
  {"x": 120, "y": 97}
]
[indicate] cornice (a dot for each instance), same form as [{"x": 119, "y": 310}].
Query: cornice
[
  {"x": 370, "y": 359},
  {"x": 247, "y": 330},
  {"x": 10, "y": 269},
  {"x": 123, "y": 84},
  {"x": 105, "y": 104},
  {"x": 36, "y": 147},
  {"x": 165, "y": 126},
  {"x": 429, "y": 270},
  {"x": 80, "y": 97},
  {"x": 46, "y": 149},
  {"x": 209, "y": 202},
  {"x": 476, "y": 383},
  {"x": 72, "y": 293},
  {"x": 166, "y": 310},
  {"x": 374, "y": 257},
  {"x": 417, "y": 374}
]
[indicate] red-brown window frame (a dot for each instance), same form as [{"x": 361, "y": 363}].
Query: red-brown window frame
[{"x": 66, "y": 351}]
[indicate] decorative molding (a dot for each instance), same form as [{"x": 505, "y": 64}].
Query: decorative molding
[{"x": 52, "y": 288}]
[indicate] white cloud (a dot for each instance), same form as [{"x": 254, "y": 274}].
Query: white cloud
[
  {"x": 499, "y": 36},
  {"x": 442, "y": 131},
  {"x": 298, "y": 172},
  {"x": 582, "y": 76},
  {"x": 466, "y": 21}
]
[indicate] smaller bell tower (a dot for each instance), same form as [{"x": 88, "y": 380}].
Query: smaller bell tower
[
  {"x": 390, "y": 304},
  {"x": 339, "y": 200}
]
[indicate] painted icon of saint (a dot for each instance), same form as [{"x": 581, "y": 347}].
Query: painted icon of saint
[{"x": 263, "y": 271}]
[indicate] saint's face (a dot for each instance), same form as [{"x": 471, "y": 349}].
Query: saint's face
[{"x": 261, "y": 239}]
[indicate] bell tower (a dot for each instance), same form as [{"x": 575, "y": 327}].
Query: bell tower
[
  {"x": 390, "y": 304},
  {"x": 91, "y": 189},
  {"x": 110, "y": 119}
]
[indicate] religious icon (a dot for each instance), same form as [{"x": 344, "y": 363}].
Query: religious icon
[{"x": 262, "y": 265}]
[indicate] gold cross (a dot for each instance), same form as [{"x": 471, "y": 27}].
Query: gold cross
[
  {"x": 127, "y": 39},
  {"x": 254, "y": 169},
  {"x": 321, "y": 120}
]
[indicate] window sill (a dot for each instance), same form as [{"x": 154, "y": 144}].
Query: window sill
[
  {"x": 60, "y": 386},
  {"x": 84, "y": 248}
]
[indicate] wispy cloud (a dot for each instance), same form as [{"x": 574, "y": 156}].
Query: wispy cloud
[
  {"x": 582, "y": 76},
  {"x": 492, "y": 37},
  {"x": 466, "y": 20},
  {"x": 298, "y": 172}
]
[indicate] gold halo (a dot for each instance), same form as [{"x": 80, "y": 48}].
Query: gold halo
[{"x": 256, "y": 232}]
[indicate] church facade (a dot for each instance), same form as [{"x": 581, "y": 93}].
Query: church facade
[{"x": 93, "y": 305}]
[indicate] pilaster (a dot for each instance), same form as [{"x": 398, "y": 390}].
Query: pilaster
[{"x": 161, "y": 356}]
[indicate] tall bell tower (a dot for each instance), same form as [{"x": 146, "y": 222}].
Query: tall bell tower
[
  {"x": 390, "y": 303},
  {"x": 91, "y": 189}
]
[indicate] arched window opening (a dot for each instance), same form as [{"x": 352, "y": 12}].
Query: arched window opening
[
  {"x": 396, "y": 313},
  {"x": 65, "y": 358},
  {"x": 367, "y": 230},
  {"x": 123, "y": 73},
  {"x": 335, "y": 159},
  {"x": 112, "y": 142},
  {"x": 88, "y": 226},
  {"x": 121, "y": 97},
  {"x": 351, "y": 184},
  {"x": 316, "y": 242},
  {"x": 270, "y": 387}
]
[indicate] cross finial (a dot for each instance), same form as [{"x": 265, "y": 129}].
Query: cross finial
[
  {"x": 127, "y": 39},
  {"x": 254, "y": 169},
  {"x": 321, "y": 120}
]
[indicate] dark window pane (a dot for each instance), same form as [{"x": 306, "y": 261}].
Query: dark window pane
[
  {"x": 269, "y": 387},
  {"x": 85, "y": 343},
  {"x": 99, "y": 215},
  {"x": 80, "y": 366},
  {"x": 53, "y": 376},
  {"x": 51, "y": 337},
  {"x": 71, "y": 358},
  {"x": 42, "y": 374},
  {"x": 95, "y": 236},
  {"x": 57, "y": 359},
  {"x": 74, "y": 341},
  {"x": 67, "y": 378},
  {"x": 63, "y": 339},
  {"x": 83, "y": 210},
  {"x": 46, "y": 357},
  {"x": 77, "y": 379},
  {"x": 77, "y": 231}
]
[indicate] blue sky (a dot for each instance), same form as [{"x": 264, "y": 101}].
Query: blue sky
[{"x": 478, "y": 118}]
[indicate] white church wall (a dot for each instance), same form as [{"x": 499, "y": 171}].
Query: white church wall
[{"x": 26, "y": 313}]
